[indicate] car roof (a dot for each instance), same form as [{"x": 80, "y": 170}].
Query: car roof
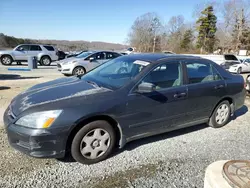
[
  {"x": 37, "y": 44},
  {"x": 104, "y": 51},
  {"x": 154, "y": 57}
]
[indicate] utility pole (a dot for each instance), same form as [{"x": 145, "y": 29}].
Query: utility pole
[
  {"x": 155, "y": 26},
  {"x": 154, "y": 43}
]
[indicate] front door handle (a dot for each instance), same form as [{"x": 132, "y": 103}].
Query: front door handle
[
  {"x": 180, "y": 95},
  {"x": 219, "y": 86}
]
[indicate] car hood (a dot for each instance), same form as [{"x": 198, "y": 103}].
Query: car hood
[
  {"x": 53, "y": 91},
  {"x": 5, "y": 52},
  {"x": 64, "y": 61}
]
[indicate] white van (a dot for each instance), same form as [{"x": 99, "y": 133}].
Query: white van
[{"x": 219, "y": 59}]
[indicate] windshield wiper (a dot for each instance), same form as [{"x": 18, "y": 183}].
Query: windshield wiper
[{"x": 92, "y": 83}]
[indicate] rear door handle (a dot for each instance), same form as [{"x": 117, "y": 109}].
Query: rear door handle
[
  {"x": 180, "y": 95},
  {"x": 219, "y": 86}
]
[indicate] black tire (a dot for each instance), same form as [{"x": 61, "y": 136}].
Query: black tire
[
  {"x": 77, "y": 141},
  {"x": 45, "y": 61},
  {"x": 79, "y": 70},
  {"x": 239, "y": 71},
  {"x": 212, "y": 121},
  {"x": 6, "y": 60}
]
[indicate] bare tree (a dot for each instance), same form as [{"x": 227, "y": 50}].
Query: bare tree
[
  {"x": 144, "y": 32},
  {"x": 236, "y": 14},
  {"x": 173, "y": 33}
]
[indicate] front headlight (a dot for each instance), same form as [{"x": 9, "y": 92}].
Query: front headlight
[{"x": 39, "y": 119}]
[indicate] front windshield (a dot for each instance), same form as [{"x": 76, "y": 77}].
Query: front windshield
[
  {"x": 84, "y": 54},
  {"x": 116, "y": 73}
]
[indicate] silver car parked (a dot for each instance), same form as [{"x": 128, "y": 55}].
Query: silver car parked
[
  {"x": 45, "y": 54},
  {"x": 85, "y": 62}
]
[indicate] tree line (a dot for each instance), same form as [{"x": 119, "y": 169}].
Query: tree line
[
  {"x": 216, "y": 28},
  {"x": 9, "y": 42}
]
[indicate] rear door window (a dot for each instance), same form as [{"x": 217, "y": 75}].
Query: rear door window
[
  {"x": 35, "y": 48},
  {"x": 199, "y": 72},
  {"x": 111, "y": 55}
]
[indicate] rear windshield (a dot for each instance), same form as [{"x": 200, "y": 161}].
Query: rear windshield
[
  {"x": 230, "y": 57},
  {"x": 49, "y": 48}
]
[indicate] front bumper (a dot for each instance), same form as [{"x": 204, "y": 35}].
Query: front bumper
[
  {"x": 233, "y": 69},
  {"x": 41, "y": 143},
  {"x": 65, "y": 69}
]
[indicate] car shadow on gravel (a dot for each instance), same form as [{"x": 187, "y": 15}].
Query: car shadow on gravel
[
  {"x": 16, "y": 77},
  {"x": 240, "y": 112},
  {"x": 134, "y": 144},
  {"x": 4, "y": 87}
]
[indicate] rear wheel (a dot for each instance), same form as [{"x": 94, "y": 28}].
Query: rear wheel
[
  {"x": 6, "y": 60},
  {"x": 239, "y": 70},
  {"x": 79, "y": 71},
  {"x": 45, "y": 60},
  {"x": 221, "y": 115},
  {"x": 93, "y": 143}
]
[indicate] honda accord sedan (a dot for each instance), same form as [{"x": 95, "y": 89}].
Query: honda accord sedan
[{"x": 124, "y": 99}]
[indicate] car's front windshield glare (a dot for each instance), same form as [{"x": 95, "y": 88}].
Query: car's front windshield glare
[
  {"x": 116, "y": 73},
  {"x": 84, "y": 54}
]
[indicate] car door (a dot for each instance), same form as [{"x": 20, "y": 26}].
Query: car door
[
  {"x": 21, "y": 52},
  {"x": 162, "y": 109},
  {"x": 205, "y": 88},
  {"x": 34, "y": 50},
  {"x": 100, "y": 57},
  {"x": 95, "y": 59}
]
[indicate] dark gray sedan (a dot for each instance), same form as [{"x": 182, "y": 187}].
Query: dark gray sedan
[{"x": 127, "y": 98}]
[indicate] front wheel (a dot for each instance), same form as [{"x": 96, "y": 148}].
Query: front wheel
[
  {"x": 239, "y": 71},
  {"x": 93, "y": 143},
  {"x": 221, "y": 115},
  {"x": 79, "y": 71},
  {"x": 6, "y": 60}
]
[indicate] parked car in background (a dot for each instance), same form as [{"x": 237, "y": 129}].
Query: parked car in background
[
  {"x": 85, "y": 62},
  {"x": 124, "y": 99},
  {"x": 168, "y": 52},
  {"x": 45, "y": 54},
  {"x": 226, "y": 65},
  {"x": 219, "y": 59},
  {"x": 243, "y": 66}
]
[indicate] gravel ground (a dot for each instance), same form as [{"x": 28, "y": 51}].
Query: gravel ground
[{"x": 175, "y": 159}]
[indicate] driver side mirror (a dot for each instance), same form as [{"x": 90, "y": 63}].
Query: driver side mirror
[
  {"x": 146, "y": 87},
  {"x": 91, "y": 59}
]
